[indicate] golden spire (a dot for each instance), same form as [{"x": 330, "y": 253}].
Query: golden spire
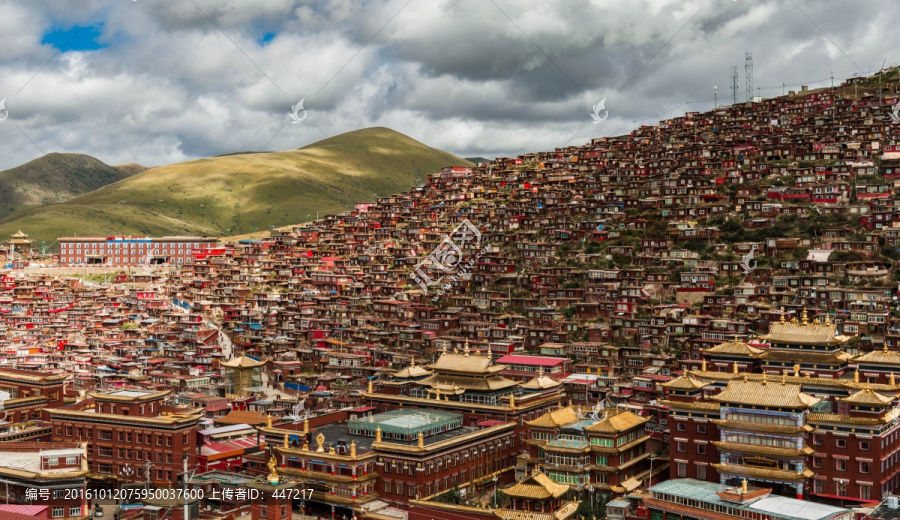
[
  {"x": 735, "y": 367},
  {"x": 827, "y": 319},
  {"x": 782, "y": 316},
  {"x": 764, "y": 380},
  {"x": 512, "y": 401},
  {"x": 783, "y": 378},
  {"x": 744, "y": 486},
  {"x": 378, "y": 434},
  {"x": 703, "y": 365},
  {"x": 885, "y": 350},
  {"x": 413, "y": 362},
  {"x": 421, "y": 440},
  {"x": 804, "y": 317},
  {"x": 285, "y": 444},
  {"x": 856, "y": 376},
  {"x": 466, "y": 348},
  {"x": 353, "y": 448},
  {"x": 891, "y": 380},
  {"x": 797, "y": 370}
]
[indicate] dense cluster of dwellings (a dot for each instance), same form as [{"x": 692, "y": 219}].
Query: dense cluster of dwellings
[{"x": 708, "y": 305}]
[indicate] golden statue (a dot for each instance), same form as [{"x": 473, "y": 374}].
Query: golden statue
[
  {"x": 320, "y": 439},
  {"x": 273, "y": 477}
]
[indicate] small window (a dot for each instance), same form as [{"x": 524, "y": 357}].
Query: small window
[{"x": 840, "y": 443}]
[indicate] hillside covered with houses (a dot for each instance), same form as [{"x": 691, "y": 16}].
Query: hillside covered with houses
[{"x": 615, "y": 328}]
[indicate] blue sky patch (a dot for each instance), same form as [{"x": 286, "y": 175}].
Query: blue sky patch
[
  {"x": 265, "y": 39},
  {"x": 75, "y": 38}
]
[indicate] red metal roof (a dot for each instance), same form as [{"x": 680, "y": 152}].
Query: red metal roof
[{"x": 513, "y": 359}]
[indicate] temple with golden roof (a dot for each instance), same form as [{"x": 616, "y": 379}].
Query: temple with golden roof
[
  {"x": 803, "y": 436},
  {"x": 468, "y": 383},
  {"x": 603, "y": 450},
  {"x": 814, "y": 345}
]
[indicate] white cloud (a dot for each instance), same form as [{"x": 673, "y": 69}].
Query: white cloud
[{"x": 457, "y": 75}]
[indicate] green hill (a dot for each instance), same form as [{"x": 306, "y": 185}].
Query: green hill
[
  {"x": 242, "y": 193},
  {"x": 54, "y": 178},
  {"x": 479, "y": 159}
]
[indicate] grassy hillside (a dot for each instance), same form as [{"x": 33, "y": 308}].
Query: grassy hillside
[
  {"x": 242, "y": 193},
  {"x": 131, "y": 168},
  {"x": 54, "y": 178}
]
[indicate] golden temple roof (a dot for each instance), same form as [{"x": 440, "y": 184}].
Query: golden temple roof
[
  {"x": 879, "y": 357},
  {"x": 765, "y": 393},
  {"x": 757, "y": 472},
  {"x": 764, "y": 450},
  {"x": 617, "y": 422},
  {"x": 702, "y": 406},
  {"x": 483, "y": 384},
  {"x": 463, "y": 362},
  {"x": 735, "y": 348},
  {"x": 556, "y": 418},
  {"x": 820, "y": 358},
  {"x": 799, "y": 380},
  {"x": 761, "y": 427},
  {"x": 837, "y": 418},
  {"x": 536, "y": 486},
  {"x": 412, "y": 371},
  {"x": 242, "y": 362},
  {"x": 868, "y": 397},
  {"x": 684, "y": 382},
  {"x": 804, "y": 332},
  {"x": 541, "y": 383},
  {"x": 561, "y": 513}
]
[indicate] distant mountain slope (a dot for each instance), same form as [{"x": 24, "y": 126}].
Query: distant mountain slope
[
  {"x": 478, "y": 159},
  {"x": 54, "y": 178},
  {"x": 131, "y": 168},
  {"x": 242, "y": 193}
]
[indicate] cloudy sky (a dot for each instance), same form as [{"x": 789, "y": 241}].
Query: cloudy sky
[{"x": 161, "y": 81}]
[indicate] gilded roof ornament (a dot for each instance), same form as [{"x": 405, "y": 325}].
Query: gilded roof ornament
[{"x": 273, "y": 477}]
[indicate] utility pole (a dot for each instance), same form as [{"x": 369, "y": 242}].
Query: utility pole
[
  {"x": 715, "y": 96},
  {"x": 748, "y": 75},
  {"x": 734, "y": 85},
  {"x": 833, "y": 103}
]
